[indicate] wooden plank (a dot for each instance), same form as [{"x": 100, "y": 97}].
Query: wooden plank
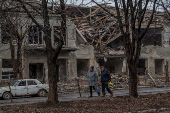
[
  {"x": 100, "y": 39},
  {"x": 108, "y": 39},
  {"x": 81, "y": 35}
]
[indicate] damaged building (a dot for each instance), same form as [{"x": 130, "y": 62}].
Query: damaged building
[
  {"x": 92, "y": 38},
  {"x": 101, "y": 30},
  {"x": 74, "y": 59}
]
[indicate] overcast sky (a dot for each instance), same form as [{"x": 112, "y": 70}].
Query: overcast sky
[
  {"x": 87, "y": 2},
  {"x": 109, "y": 2}
]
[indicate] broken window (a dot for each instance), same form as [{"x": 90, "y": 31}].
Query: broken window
[
  {"x": 35, "y": 35},
  {"x": 36, "y": 71},
  {"x": 159, "y": 66},
  {"x": 5, "y": 30},
  {"x": 141, "y": 67},
  {"x": 114, "y": 65},
  {"x": 56, "y": 34},
  {"x": 6, "y": 63},
  {"x": 117, "y": 44},
  {"x": 7, "y": 70},
  {"x": 82, "y": 67},
  {"x": 153, "y": 37}
]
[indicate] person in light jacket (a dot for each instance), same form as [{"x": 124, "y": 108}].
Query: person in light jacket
[{"x": 92, "y": 78}]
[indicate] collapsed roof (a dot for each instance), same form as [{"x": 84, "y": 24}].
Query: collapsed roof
[{"x": 100, "y": 27}]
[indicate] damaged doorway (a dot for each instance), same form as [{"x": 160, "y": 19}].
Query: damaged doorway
[
  {"x": 159, "y": 66},
  {"x": 142, "y": 66},
  {"x": 82, "y": 67},
  {"x": 114, "y": 66},
  {"x": 62, "y": 69},
  {"x": 36, "y": 71}
]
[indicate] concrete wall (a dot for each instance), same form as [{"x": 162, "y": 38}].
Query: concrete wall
[
  {"x": 28, "y": 57},
  {"x": 158, "y": 52},
  {"x": 124, "y": 67},
  {"x": 0, "y": 69},
  {"x": 33, "y": 58},
  {"x": 154, "y": 52},
  {"x": 87, "y": 52}
]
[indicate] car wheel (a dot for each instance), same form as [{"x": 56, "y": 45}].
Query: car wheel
[
  {"x": 42, "y": 93},
  {"x": 6, "y": 96}
]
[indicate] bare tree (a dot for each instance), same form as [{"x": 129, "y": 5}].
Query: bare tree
[
  {"x": 166, "y": 6},
  {"x": 12, "y": 31},
  {"x": 52, "y": 53}
]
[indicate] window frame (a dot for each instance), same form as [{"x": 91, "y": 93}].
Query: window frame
[
  {"x": 22, "y": 81},
  {"x": 34, "y": 83},
  {"x": 36, "y": 32}
]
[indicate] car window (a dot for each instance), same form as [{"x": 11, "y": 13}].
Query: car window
[
  {"x": 38, "y": 82},
  {"x": 14, "y": 83},
  {"x": 31, "y": 82},
  {"x": 22, "y": 83}
]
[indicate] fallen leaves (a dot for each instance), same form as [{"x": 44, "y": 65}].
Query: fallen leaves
[{"x": 117, "y": 104}]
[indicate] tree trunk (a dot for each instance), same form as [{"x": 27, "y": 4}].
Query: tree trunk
[
  {"x": 166, "y": 71},
  {"x": 132, "y": 81},
  {"x": 19, "y": 59},
  {"x": 53, "y": 78},
  {"x": 13, "y": 63},
  {"x": 133, "y": 61}
]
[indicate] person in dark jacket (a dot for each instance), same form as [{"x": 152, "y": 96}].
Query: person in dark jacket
[
  {"x": 92, "y": 78},
  {"x": 105, "y": 78}
]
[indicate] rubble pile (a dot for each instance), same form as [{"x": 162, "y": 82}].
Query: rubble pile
[
  {"x": 72, "y": 86},
  {"x": 119, "y": 81}
]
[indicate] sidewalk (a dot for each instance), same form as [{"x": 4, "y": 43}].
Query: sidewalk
[
  {"x": 141, "y": 91},
  {"x": 76, "y": 96}
]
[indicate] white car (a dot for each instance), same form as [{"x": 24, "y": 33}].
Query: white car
[{"x": 24, "y": 87}]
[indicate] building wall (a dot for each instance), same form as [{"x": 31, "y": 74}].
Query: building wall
[
  {"x": 87, "y": 52},
  {"x": 0, "y": 69},
  {"x": 151, "y": 53},
  {"x": 34, "y": 58},
  {"x": 40, "y": 57}
]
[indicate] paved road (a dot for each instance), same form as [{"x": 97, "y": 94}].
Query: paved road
[{"x": 76, "y": 96}]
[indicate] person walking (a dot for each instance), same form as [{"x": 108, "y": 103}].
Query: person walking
[
  {"x": 92, "y": 79},
  {"x": 105, "y": 78}
]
